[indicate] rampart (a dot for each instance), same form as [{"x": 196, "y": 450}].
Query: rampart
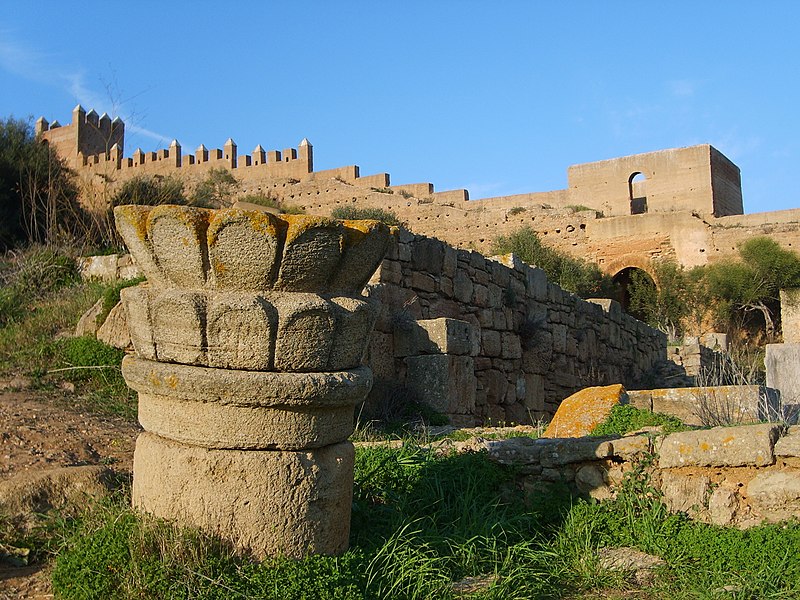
[
  {"x": 683, "y": 204},
  {"x": 490, "y": 340}
]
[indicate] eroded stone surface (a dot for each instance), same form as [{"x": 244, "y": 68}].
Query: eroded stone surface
[
  {"x": 267, "y": 503},
  {"x": 721, "y": 446},
  {"x": 579, "y": 414}
]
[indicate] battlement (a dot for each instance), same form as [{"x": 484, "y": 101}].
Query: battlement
[{"x": 88, "y": 134}]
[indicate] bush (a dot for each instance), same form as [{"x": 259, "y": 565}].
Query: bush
[
  {"x": 150, "y": 191},
  {"x": 38, "y": 196},
  {"x": 353, "y": 213},
  {"x": 216, "y": 190},
  {"x": 572, "y": 274},
  {"x": 30, "y": 275},
  {"x": 269, "y": 202}
]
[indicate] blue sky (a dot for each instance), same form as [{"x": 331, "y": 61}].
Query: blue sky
[{"x": 498, "y": 97}]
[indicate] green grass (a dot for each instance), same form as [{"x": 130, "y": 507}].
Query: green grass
[
  {"x": 625, "y": 418},
  {"x": 420, "y": 523},
  {"x": 46, "y": 301}
]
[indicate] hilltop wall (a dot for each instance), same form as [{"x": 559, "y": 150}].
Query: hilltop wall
[{"x": 683, "y": 204}]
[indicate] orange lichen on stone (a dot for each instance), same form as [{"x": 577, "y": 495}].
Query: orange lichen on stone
[
  {"x": 579, "y": 414},
  {"x": 299, "y": 224}
]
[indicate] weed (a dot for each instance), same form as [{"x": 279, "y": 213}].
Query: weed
[
  {"x": 352, "y": 213},
  {"x": 516, "y": 210},
  {"x": 625, "y": 418}
]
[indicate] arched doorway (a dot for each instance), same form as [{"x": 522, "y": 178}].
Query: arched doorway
[
  {"x": 635, "y": 286},
  {"x": 637, "y": 191}
]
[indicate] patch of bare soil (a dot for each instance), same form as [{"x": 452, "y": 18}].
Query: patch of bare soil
[{"x": 37, "y": 433}]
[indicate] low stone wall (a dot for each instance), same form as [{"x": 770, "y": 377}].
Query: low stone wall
[
  {"x": 713, "y": 405},
  {"x": 740, "y": 476},
  {"x": 492, "y": 341}
]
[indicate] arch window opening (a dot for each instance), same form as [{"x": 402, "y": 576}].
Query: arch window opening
[{"x": 637, "y": 192}]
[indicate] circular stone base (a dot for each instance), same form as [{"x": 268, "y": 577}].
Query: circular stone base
[
  {"x": 221, "y": 408},
  {"x": 269, "y": 503}
]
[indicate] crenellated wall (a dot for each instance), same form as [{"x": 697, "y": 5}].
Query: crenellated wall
[{"x": 683, "y": 204}]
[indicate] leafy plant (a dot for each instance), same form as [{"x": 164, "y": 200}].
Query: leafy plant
[
  {"x": 354, "y": 213},
  {"x": 269, "y": 202},
  {"x": 216, "y": 190},
  {"x": 149, "y": 190},
  {"x": 625, "y": 418},
  {"x": 572, "y": 274}
]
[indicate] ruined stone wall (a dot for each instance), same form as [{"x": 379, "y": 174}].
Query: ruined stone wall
[
  {"x": 531, "y": 343},
  {"x": 741, "y": 476}
]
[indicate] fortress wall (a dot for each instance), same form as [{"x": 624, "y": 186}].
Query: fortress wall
[
  {"x": 726, "y": 183},
  {"x": 676, "y": 180},
  {"x": 537, "y": 343}
]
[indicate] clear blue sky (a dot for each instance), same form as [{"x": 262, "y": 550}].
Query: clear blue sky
[{"x": 498, "y": 97}]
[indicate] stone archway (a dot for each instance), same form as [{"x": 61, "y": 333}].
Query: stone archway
[{"x": 625, "y": 278}]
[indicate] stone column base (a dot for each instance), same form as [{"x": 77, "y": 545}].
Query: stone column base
[{"x": 267, "y": 503}]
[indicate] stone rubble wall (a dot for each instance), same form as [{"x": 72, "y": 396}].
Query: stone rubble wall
[
  {"x": 491, "y": 340},
  {"x": 739, "y": 476}
]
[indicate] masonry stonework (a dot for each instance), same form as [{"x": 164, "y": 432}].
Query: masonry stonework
[{"x": 249, "y": 336}]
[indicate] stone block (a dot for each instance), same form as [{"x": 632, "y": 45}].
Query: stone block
[
  {"x": 748, "y": 445},
  {"x": 311, "y": 254},
  {"x": 241, "y": 331},
  {"x": 722, "y": 506},
  {"x": 776, "y": 489},
  {"x": 685, "y": 493},
  {"x": 518, "y": 451},
  {"x": 591, "y": 480},
  {"x": 98, "y": 268},
  {"x": 265, "y": 503},
  {"x": 783, "y": 371},
  {"x": 557, "y": 452},
  {"x": 380, "y": 358},
  {"x": 423, "y": 281},
  {"x": 114, "y": 331},
  {"x": 790, "y": 315},
  {"x": 511, "y": 347},
  {"x": 88, "y": 323},
  {"x": 491, "y": 343},
  {"x": 221, "y": 408},
  {"x": 579, "y": 414},
  {"x": 789, "y": 444},
  {"x": 633, "y": 447},
  {"x": 445, "y": 383},
  {"x": 437, "y": 336},
  {"x": 428, "y": 255},
  {"x": 462, "y": 287}
]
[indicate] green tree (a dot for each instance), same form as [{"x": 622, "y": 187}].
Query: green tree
[
  {"x": 216, "y": 190},
  {"x": 753, "y": 283},
  {"x": 38, "y": 198},
  {"x": 666, "y": 302},
  {"x": 575, "y": 275}
]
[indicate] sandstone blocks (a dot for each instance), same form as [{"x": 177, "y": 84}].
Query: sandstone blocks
[{"x": 249, "y": 337}]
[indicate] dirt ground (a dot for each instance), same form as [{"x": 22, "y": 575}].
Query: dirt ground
[{"x": 38, "y": 433}]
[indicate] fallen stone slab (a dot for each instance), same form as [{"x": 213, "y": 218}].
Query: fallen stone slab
[
  {"x": 748, "y": 445},
  {"x": 579, "y": 414}
]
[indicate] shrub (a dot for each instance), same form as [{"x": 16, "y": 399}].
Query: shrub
[
  {"x": 270, "y": 202},
  {"x": 38, "y": 196},
  {"x": 150, "y": 191},
  {"x": 353, "y": 213},
  {"x": 572, "y": 274},
  {"x": 216, "y": 190}
]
